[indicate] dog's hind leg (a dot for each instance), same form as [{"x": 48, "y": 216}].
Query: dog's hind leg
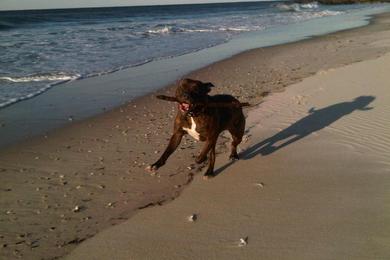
[
  {"x": 173, "y": 144},
  {"x": 237, "y": 133}
]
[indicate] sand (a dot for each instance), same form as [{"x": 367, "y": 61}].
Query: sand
[
  {"x": 61, "y": 189},
  {"x": 313, "y": 184}
]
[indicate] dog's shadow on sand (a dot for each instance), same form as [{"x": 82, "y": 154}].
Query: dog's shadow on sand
[{"x": 316, "y": 120}]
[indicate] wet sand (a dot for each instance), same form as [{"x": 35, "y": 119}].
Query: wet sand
[{"x": 60, "y": 189}]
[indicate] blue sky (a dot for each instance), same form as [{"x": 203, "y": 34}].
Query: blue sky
[{"x": 44, "y": 4}]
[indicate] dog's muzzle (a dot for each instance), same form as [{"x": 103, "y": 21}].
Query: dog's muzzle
[{"x": 184, "y": 107}]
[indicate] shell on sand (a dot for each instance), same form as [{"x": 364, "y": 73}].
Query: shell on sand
[
  {"x": 193, "y": 218},
  {"x": 77, "y": 208},
  {"x": 243, "y": 242}
]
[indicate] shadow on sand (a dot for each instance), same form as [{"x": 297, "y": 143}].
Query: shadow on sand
[{"x": 316, "y": 120}]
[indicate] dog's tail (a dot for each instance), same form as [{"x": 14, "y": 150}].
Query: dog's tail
[
  {"x": 241, "y": 104},
  {"x": 245, "y": 104},
  {"x": 236, "y": 104}
]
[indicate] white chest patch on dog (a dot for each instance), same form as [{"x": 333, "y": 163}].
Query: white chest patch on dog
[{"x": 191, "y": 131}]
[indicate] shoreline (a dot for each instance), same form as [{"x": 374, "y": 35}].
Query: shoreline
[
  {"x": 71, "y": 101},
  {"x": 87, "y": 164}
]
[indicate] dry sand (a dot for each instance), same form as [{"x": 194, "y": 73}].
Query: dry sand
[
  {"x": 313, "y": 184},
  {"x": 60, "y": 189}
]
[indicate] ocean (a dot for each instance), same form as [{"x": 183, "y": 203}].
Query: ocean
[{"x": 42, "y": 49}]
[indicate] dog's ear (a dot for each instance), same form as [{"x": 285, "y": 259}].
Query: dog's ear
[
  {"x": 205, "y": 88},
  {"x": 167, "y": 98}
]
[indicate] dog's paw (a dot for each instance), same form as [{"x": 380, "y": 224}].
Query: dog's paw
[
  {"x": 207, "y": 177},
  {"x": 151, "y": 168},
  {"x": 234, "y": 157}
]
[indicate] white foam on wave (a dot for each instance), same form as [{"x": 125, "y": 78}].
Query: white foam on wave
[
  {"x": 198, "y": 30},
  {"x": 163, "y": 30},
  {"x": 312, "y": 5},
  {"x": 325, "y": 13},
  {"x": 295, "y": 7},
  {"x": 172, "y": 30},
  {"x": 43, "y": 77},
  {"x": 289, "y": 7},
  {"x": 306, "y": 11},
  {"x": 237, "y": 29}
]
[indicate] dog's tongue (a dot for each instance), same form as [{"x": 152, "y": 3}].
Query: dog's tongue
[{"x": 184, "y": 107}]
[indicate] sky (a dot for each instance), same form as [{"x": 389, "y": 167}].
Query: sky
[{"x": 49, "y": 4}]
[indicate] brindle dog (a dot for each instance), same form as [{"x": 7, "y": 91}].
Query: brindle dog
[{"x": 203, "y": 117}]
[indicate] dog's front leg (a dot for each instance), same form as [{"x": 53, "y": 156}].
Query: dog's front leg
[
  {"x": 173, "y": 144},
  {"x": 210, "y": 168},
  {"x": 205, "y": 150}
]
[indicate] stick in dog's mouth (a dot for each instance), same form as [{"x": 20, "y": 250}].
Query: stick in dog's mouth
[{"x": 185, "y": 107}]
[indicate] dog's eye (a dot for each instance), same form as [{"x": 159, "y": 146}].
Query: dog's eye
[{"x": 187, "y": 96}]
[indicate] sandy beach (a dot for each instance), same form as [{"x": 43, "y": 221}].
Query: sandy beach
[{"x": 313, "y": 182}]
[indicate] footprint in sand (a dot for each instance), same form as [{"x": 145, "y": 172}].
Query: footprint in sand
[{"x": 300, "y": 99}]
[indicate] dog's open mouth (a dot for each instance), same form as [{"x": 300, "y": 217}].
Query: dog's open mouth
[{"x": 184, "y": 107}]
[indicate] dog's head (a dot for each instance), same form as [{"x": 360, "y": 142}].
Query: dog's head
[{"x": 190, "y": 94}]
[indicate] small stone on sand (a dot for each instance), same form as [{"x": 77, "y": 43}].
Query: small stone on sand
[
  {"x": 110, "y": 204},
  {"x": 77, "y": 208},
  {"x": 192, "y": 218},
  {"x": 260, "y": 185},
  {"x": 243, "y": 242}
]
